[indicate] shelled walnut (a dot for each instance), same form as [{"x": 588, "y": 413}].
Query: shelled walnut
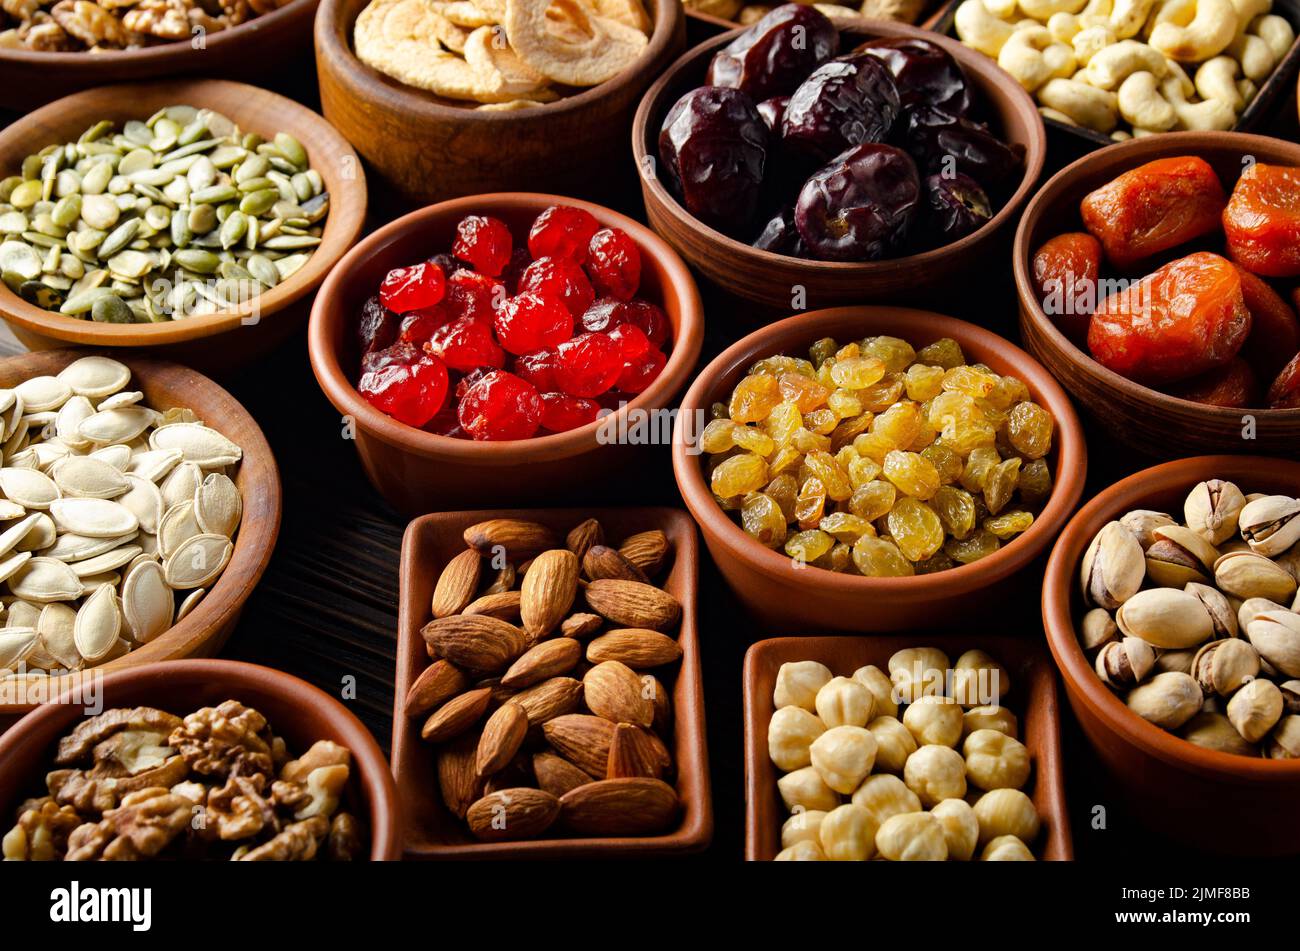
[{"x": 71, "y": 26}]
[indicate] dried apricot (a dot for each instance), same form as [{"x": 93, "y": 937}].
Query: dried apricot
[
  {"x": 1262, "y": 220},
  {"x": 1066, "y": 269},
  {"x": 1274, "y": 330},
  {"x": 1234, "y": 385},
  {"x": 1285, "y": 391}
]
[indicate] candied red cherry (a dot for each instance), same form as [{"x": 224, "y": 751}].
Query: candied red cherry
[
  {"x": 562, "y": 412},
  {"x": 412, "y": 288},
  {"x": 775, "y": 54},
  {"x": 466, "y": 344},
  {"x": 604, "y": 314},
  {"x": 377, "y": 328},
  {"x": 468, "y": 380},
  {"x": 587, "y": 365},
  {"x": 448, "y": 264},
  {"x": 470, "y": 294},
  {"x": 405, "y": 382},
  {"x": 859, "y": 207},
  {"x": 538, "y": 368},
  {"x": 445, "y": 423},
  {"x": 846, "y": 102},
  {"x": 562, "y": 231},
  {"x": 924, "y": 72},
  {"x": 650, "y": 318},
  {"x": 500, "y": 406},
  {"x": 484, "y": 243},
  {"x": 614, "y": 264},
  {"x": 419, "y": 325},
  {"x": 641, "y": 372},
  {"x": 529, "y": 321},
  {"x": 631, "y": 339},
  {"x": 954, "y": 207},
  {"x": 559, "y": 279}
]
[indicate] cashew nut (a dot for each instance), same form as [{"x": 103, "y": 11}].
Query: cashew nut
[
  {"x": 1254, "y": 55},
  {"x": 1097, "y": 10},
  {"x": 1170, "y": 11},
  {"x": 1127, "y": 16},
  {"x": 1210, "y": 31},
  {"x": 1094, "y": 108},
  {"x": 1111, "y": 66},
  {"x": 1056, "y": 116},
  {"x": 1247, "y": 10},
  {"x": 1033, "y": 58},
  {"x": 1276, "y": 31},
  {"x": 1042, "y": 9},
  {"x": 1141, "y": 104},
  {"x": 1063, "y": 26},
  {"x": 1091, "y": 40},
  {"x": 1002, "y": 9},
  {"x": 1212, "y": 115},
  {"x": 1184, "y": 81},
  {"x": 1217, "y": 79},
  {"x": 1247, "y": 90},
  {"x": 979, "y": 28},
  {"x": 1119, "y": 135}
]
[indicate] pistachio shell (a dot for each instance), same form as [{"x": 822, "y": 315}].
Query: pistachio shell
[
  {"x": 1249, "y": 575},
  {"x": 1166, "y": 618},
  {"x": 1113, "y": 567},
  {"x": 1276, "y": 635},
  {"x": 1255, "y": 709},
  {"x": 1212, "y": 509},
  {"x": 1271, "y": 525},
  {"x": 1168, "y": 700}
]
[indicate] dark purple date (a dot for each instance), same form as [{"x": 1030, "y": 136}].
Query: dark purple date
[
  {"x": 924, "y": 71},
  {"x": 955, "y": 206},
  {"x": 777, "y": 53},
  {"x": 945, "y": 143},
  {"x": 859, "y": 207},
  {"x": 849, "y": 101}
]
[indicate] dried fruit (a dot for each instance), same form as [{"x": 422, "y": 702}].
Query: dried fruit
[{"x": 1262, "y": 220}]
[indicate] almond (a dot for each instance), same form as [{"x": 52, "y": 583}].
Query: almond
[
  {"x": 584, "y": 536},
  {"x": 614, "y": 691},
  {"x": 459, "y": 784},
  {"x": 618, "y": 807},
  {"x": 457, "y": 584},
  {"x": 581, "y": 739},
  {"x": 509, "y": 814},
  {"x": 602, "y": 562},
  {"x": 503, "y": 734},
  {"x": 500, "y": 692},
  {"x": 504, "y": 581},
  {"x": 456, "y": 715},
  {"x": 475, "y": 641},
  {"x": 515, "y": 537},
  {"x": 437, "y": 684},
  {"x": 581, "y": 626},
  {"x": 633, "y": 604},
  {"x": 663, "y": 724},
  {"x": 548, "y": 591},
  {"x": 548, "y": 659},
  {"x": 556, "y": 774},
  {"x": 550, "y": 699},
  {"x": 646, "y": 550},
  {"x": 636, "y": 647},
  {"x": 636, "y": 752},
  {"x": 503, "y": 605}
]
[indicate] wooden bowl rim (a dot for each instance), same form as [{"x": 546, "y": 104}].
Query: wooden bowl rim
[
  {"x": 341, "y": 392},
  {"x": 785, "y": 335},
  {"x": 224, "y": 599},
  {"x": 342, "y": 226},
  {"x": 372, "y": 768},
  {"x": 333, "y": 44},
  {"x": 1081, "y": 679},
  {"x": 986, "y": 69},
  {"x": 1134, "y": 152}
]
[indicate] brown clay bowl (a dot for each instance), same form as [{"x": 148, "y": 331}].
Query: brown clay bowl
[
  {"x": 431, "y": 149},
  {"x": 1033, "y": 699},
  {"x": 417, "y": 471},
  {"x": 299, "y": 712},
  {"x": 783, "y": 596},
  {"x": 215, "y": 342},
  {"x": 251, "y": 51},
  {"x": 767, "y": 278},
  {"x": 1210, "y": 800},
  {"x": 1152, "y": 422},
  {"x": 205, "y": 630},
  {"x": 431, "y": 832}
]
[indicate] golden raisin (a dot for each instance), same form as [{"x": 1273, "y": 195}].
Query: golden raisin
[
  {"x": 805, "y": 440},
  {"x": 821, "y": 421},
  {"x": 718, "y": 436},
  {"x": 762, "y": 520},
  {"x": 787, "y": 458},
  {"x": 845, "y": 527},
  {"x": 895, "y": 353},
  {"x": 857, "y": 373},
  {"x": 1035, "y": 482},
  {"x": 753, "y": 439},
  {"x": 1029, "y": 429},
  {"x": 873, "y": 500},
  {"x": 862, "y": 470},
  {"x": 944, "y": 352},
  {"x": 739, "y": 475},
  {"x": 784, "y": 490},
  {"x": 808, "y": 546},
  {"x": 979, "y": 545},
  {"x": 880, "y": 396},
  {"x": 804, "y": 392},
  {"x": 915, "y": 528},
  {"x": 923, "y": 382},
  {"x": 810, "y": 503},
  {"x": 946, "y": 462},
  {"x": 822, "y": 350},
  {"x": 899, "y": 424},
  {"x": 822, "y": 466},
  {"x": 880, "y": 558},
  {"x": 973, "y": 382},
  {"x": 753, "y": 398},
  {"x": 843, "y": 403},
  {"x": 1009, "y": 524},
  {"x": 912, "y": 474},
  {"x": 1001, "y": 484},
  {"x": 979, "y": 464},
  {"x": 783, "y": 422},
  {"x": 956, "y": 510},
  {"x": 780, "y": 365},
  {"x": 850, "y": 429}
]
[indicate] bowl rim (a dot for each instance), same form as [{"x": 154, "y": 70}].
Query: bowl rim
[
  {"x": 369, "y": 761},
  {"x": 1144, "y": 149},
  {"x": 339, "y": 389},
  {"x": 333, "y": 41},
  {"x": 1058, "y": 621},
  {"x": 224, "y": 600},
  {"x": 781, "y": 337},
  {"x": 343, "y": 225},
  {"x": 986, "y": 69}
]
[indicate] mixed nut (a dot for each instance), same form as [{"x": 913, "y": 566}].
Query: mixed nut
[
  {"x": 1194, "y": 623},
  {"x": 140, "y": 784},
  {"x": 925, "y": 754},
  {"x": 880, "y": 459},
  {"x": 747, "y": 14},
  {"x": 179, "y": 215},
  {"x": 115, "y": 518},
  {"x": 537, "y": 697},
  {"x": 99, "y": 26}
]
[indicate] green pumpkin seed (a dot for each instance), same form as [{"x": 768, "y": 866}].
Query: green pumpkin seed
[
  {"x": 100, "y": 211},
  {"x": 263, "y": 270},
  {"x": 202, "y": 219},
  {"x": 119, "y": 238},
  {"x": 198, "y": 261},
  {"x": 7, "y": 187},
  {"x": 42, "y": 295},
  {"x": 215, "y": 194},
  {"x": 180, "y": 228},
  {"x": 289, "y": 242},
  {"x": 82, "y": 302},
  {"x": 26, "y": 195},
  {"x": 259, "y": 202},
  {"x": 255, "y": 166},
  {"x": 67, "y": 182},
  {"x": 233, "y": 229},
  {"x": 20, "y": 259},
  {"x": 110, "y": 309},
  {"x": 96, "y": 131},
  {"x": 13, "y": 222},
  {"x": 31, "y": 167},
  {"x": 67, "y": 211},
  {"x": 96, "y": 179}
]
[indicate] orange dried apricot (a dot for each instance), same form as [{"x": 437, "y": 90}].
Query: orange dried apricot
[
  {"x": 1262, "y": 220},
  {"x": 1233, "y": 384},
  {"x": 1274, "y": 330},
  {"x": 1285, "y": 391},
  {"x": 1066, "y": 269}
]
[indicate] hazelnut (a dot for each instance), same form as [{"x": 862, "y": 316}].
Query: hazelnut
[
  {"x": 917, "y": 671},
  {"x": 805, "y": 851},
  {"x": 1255, "y": 709},
  {"x": 894, "y": 744},
  {"x": 1006, "y": 812},
  {"x": 1006, "y": 848},
  {"x": 935, "y": 773},
  {"x": 995, "y": 760},
  {"x": 885, "y": 796},
  {"x": 843, "y": 756},
  {"x": 934, "y": 720},
  {"x": 990, "y": 718},
  {"x": 848, "y": 834},
  {"x": 912, "y": 837},
  {"x": 961, "y": 830},
  {"x": 805, "y": 789},
  {"x": 803, "y": 826},
  {"x": 797, "y": 684},
  {"x": 844, "y": 702},
  {"x": 790, "y": 733},
  {"x": 979, "y": 680},
  {"x": 881, "y": 687}
]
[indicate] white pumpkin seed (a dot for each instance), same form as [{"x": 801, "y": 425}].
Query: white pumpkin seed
[
  {"x": 13, "y": 414},
  {"x": 45, "y": 579},
  {"x": 121, "y": 647},
  {"x": 55, "y": 625},
  {"x": 190, "y": 603},
  {"x": 42, "y": 534},
  {"x": 28, "y": 487},
  {"x": 84, "y": 478},
  {"x": 118, "y": 400},
  {"x": 218, "y": 505},
  {"x": 200, "y": 445},
  {"x": 74, "y": 412},
  {"x": 119, "y": 456},
  {"x": 197, "y": 561},
  {"x": 7, "y": 397},
  {"x": 145, "y": 502},
  {"x": 41, "y": 419},
  {"x": 48, "y": 453},
  {"x": 109, "y": 561},
  {"x": 43, "y": 392},
  {"x": 181, "y": 484},
  {"x": 154, "y": 464},
  {"x": 149, "y": 542},
  {"x": 72, "y": 547},
  {"x": 110, "y": 578},
  {"x": 15, "y": 533},
  {"x": 115, "y": 425},
  {"x": 10, "y": 510},
  {"x": 12, "y": 563},
  {"x": 25, "y": 614},
  {"x": 27, "y": 458},
  {"x": 98, "y": 624},
  {"x": 15, "y": 644},
  {"x": 147, "y": 601},
  {"x": 95, "y": 377},
  {"x": 98, "y": 518},
  {"x": 178, "y": 525}
]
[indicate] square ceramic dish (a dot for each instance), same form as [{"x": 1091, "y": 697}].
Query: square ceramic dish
[
  {"x": 430, "y": 831},
  {"x": 1033, "y": 699}
]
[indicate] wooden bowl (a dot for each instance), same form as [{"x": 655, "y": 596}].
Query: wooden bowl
[
  {"x": 299, "y": 712},
  {"x": 1210, "y": 800},
  {"x": 417, "y": 471},
  {"x": 431, "y": 832},
  {"x": 1149, "y": 421},
  {"x": 205, "y": 630},
  {"x": 767, "y": 278},
  {"x": 1033, "y": 699},
  {"x": 784, "y": 596},
  {"x": 430, "y": 149},
  {"x": 255, "y": 50},
  {"x": 206, "y": 342}
]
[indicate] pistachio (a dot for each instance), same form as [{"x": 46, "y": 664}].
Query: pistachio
[
  {"x": 1221, "y": 667},
  {"x": 1290, "y": 695},
  {"x": 1166, "y": 618},
  {"x": 1252, "y": 608},
  {"x": 1255, "y": 709},
  {"x": 1271, "y": 525},
  {"x": 1178, "y": 661},
  {"x": 1124, "y": 663},
  {"x": 1284, "y": 742},
  {"x": 1099, "y": 629},
  {"x": 1212, "y": 508},
  {"x": 1112, "y": 569},
  {"x": 1222, "y": 615},
  {"x": 1178, "y": 556},
  {"x": 1276, "y": 635},
  {"x": 1213, "y": 731},
  {"x": 1249, "y": 575},
  {"x": 1168, "y": 700}
]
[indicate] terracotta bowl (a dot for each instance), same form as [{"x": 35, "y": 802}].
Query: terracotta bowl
[
  {"x": 207, "y": 342},
  {"x": 1032, "y": 698},
  {"x": 767, "y": 278},
  {"x": 1152, "y": 422},
  {"x": 299, "y": 712},
  {"x": 205, "y": 630},
  {"x": 433, "y": 833},
  {"x": 251, "y": 51},
  {"x": 430, "y": 149},
  {"x": 417, "y": 471},
  {"x": 1207, "y": 799},
  {"x": 782, "y": 596}
]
